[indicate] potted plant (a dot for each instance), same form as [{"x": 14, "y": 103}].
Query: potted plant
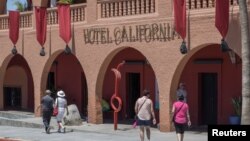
[
  {"x": 65, "y": 1},
  {"x": 237, "y": 105}
]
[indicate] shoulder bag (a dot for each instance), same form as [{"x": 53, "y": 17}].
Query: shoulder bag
[
  {"x": 136, "y": 117},
  {"x": 175, "y": 113}
]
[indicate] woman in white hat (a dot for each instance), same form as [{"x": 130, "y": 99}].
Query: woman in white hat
[{"x": 61, "y": 102}]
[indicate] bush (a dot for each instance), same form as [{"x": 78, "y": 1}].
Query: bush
[
  {"x": 66, "y": 1},
  {"x": 237, "y": 105}
]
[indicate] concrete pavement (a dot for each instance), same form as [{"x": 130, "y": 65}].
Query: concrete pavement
[
  {"x": 31, "y": 129},
  {"x": 123, "y": 134}
]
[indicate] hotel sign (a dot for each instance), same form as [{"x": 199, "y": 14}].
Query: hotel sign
[{"x": 138, "y": 33}]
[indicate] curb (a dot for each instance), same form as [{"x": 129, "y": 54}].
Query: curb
[{"x": 15, "y": 123}]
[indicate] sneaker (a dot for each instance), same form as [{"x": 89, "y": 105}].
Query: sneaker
[{"x": 48, "y": 130}]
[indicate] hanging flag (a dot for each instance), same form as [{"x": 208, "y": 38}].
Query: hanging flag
[
  {"x": 222, "y": 16},
  {"x": 64, "y": 24},
  {"x": 180, "y": 21},
  {"x": 222, "y": 21},
  {"x": 180, "y": 17},
  {"x": 41, "y": 26},
  {"x": 14, "y": 28}
]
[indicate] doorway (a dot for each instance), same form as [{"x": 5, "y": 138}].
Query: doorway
[
  {"x": 51, "y": 84},
  {"x": 132, "y": 93},
  {"x": 84, "y": 107},
  {"x": 208, "y": 98},
  {"x": 12, "y": 98}
]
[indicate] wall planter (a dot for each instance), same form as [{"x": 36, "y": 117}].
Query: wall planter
[
  {"x": 234, "y": 120},
  {"x": 237, "y": 105}
]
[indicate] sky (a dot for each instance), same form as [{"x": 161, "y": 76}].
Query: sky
[{"x": 12, "y": 6}]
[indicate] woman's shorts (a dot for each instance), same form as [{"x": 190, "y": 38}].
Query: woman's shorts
[
  {"x": 180, "y": 127},
  {"x": 143, "y": 122}
]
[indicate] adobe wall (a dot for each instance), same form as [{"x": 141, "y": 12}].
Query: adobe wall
[{"x": 164, "y": 56}]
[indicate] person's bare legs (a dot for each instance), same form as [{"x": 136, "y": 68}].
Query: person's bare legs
[
  {"x": 148, "y": 132},
  {"x": 61, "y": 127},
  {"x": 182, "y": 136},
  {"x": 178, "y": 136},
  {"x": 142, "y": 133}
]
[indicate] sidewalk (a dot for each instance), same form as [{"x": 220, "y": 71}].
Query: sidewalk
[{"x": 107, "y": 130}]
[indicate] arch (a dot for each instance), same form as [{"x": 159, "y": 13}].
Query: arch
[
  {"x": 136, "y": 66},
  {"x": 180, "y": 67},
  {"x": 66, "y": 73},
  {"x": 17, "y": 64},
  {"x": 202, "y": 62}
]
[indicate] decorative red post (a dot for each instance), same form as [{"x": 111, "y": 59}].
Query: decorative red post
[{"x": 116, "y": 94}]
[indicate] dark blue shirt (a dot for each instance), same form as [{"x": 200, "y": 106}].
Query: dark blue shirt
[{"x": 47, "y": 103}]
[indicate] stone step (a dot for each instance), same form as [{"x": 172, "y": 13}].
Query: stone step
[
  {"x": 17, "y": 123},
  {"x": 19, "y": 119},
  {"x": 16, "y": 114}
]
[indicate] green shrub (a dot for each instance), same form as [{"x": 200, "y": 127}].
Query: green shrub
[
  {"x": 66, "y": 1},
  {"x": 237, "y": 105}
]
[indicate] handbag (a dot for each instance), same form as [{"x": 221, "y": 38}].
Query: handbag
[
  {"x": 134, "y": 124},
  {"x": 55, "y": 110}
]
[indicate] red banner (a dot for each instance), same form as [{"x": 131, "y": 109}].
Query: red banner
[
  {"x": 180, "y": 17},
  {"x": 14, "y": 26},
  {"x": 64, "y": 22},
  {"x": 41, "y": 24},
  {"x": 222, "y": 16}
]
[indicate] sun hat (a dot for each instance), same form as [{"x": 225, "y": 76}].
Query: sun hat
[{"x": 61, "y": 93}]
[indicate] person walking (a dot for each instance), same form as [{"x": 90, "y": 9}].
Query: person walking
[
  {"x": 182, "y": 91},
  {"x": 61, "y": 102},
  {"x": 181, "y": 117},
  {"x": 47, "y": 110},
  {"x": 145, "y": 112}
]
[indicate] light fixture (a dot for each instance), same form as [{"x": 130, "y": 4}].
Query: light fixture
[{"x": 183, "y": 48}]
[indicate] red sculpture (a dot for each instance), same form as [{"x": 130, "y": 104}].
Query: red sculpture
[{"x": 116, "y": 94}]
